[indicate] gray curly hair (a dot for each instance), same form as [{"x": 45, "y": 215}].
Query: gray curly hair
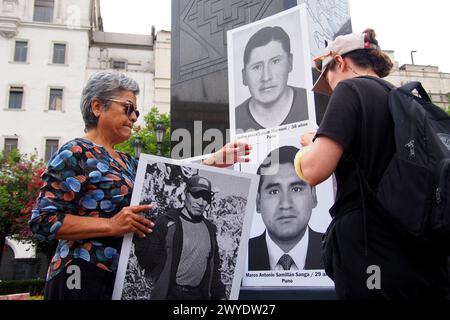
[{"x": 104, "y": 85}]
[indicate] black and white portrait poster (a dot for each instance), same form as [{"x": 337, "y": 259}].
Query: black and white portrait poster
[
  {"x": 270, "y": 78},
  {"x": 197, "y": 249},
  {"x": 271, "y": 106},
  {"x": 290, "y": 218}
]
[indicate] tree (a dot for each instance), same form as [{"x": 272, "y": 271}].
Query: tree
[
  {"x": 448, "y": 101},
  {"x": 20, "y": 181},
  {"x": 148, "y": 135}
]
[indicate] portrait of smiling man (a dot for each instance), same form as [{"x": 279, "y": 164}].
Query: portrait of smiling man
[
  {"x": 268, "y": 61},
  {"x": 285, "y": 203}
]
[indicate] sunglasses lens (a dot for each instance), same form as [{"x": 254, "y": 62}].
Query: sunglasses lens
[
  {"x": 130, "y": 110},
  {"x": 205, "y": 195}
]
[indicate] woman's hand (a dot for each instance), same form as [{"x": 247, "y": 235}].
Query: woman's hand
[
  {"x": 230, "y": 154},
  {"x": 128, "y": 220},
  {"x": 307, "y": 139}
]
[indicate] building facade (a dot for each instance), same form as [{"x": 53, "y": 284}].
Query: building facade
[
  {"x": 143, "y": 58},
  {"x": 48, "y": 50},
  {"x": 435, "y": 82},
  {"x": 43, "y": 53}
]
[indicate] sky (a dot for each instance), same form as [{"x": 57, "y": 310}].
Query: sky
[{"x": 401, "y": 25}]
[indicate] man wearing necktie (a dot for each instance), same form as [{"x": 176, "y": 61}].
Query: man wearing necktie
[{"x": 285, "y": 203}]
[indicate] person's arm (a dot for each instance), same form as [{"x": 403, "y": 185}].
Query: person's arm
[
  {"x": 232, "y": 153},
  {"x": 126, "y": 221},
  {"x": 150, "y": 251},
  {"x": 217, "y": 286},
  {"x": 321, "y": 161},
  {"x": 337, "y": 133}
]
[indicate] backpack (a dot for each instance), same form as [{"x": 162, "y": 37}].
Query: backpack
[{"x": 415, "y": 188}]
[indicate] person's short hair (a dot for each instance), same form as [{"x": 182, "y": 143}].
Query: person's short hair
[
  {"x": 264, "y": 37},
  {"x": 271, "y": 164},
  {"x": 104, "y": 85}
]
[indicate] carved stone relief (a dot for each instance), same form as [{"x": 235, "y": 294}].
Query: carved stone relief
[
  {"x": 203, "y": 27},
  {"x": 9, "y": 18},
  {"x": 10, "y": 6}
]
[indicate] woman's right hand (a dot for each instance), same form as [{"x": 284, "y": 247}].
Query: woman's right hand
[
  {"x": 230, "y": 154},
  {"x": 128, "y": 220}
]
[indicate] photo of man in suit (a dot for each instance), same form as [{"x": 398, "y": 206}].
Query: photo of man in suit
[
  {"x": 285, "y": 203},
  {"x": 268, "y": 61}
]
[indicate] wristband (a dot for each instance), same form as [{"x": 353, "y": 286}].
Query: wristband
[{"x": 298, "y": 162}]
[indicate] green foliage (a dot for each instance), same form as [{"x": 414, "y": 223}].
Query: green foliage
[
  {"x": 19, "y": 185},
  {"x": 148, "y": 135},
  {"x": 448, "y": 101},
  {"x": 34, "y": 287},
  {"x": 20, "y": 182}
]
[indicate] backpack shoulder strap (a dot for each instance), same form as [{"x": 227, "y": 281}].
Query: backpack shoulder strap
[
  {"x": 382, "y": 82},
  {"x": 415, "y": 85},
  {"x": 407, "y": 88}
]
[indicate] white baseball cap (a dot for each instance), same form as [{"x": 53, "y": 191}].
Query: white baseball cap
[{"x": 339, "y": 47}]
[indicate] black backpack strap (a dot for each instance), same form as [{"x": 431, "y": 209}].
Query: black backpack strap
[
  {"x": 380, "y": 81},
  {"x": 407, "y": 88},
  {"x": 415, "y": 85}
]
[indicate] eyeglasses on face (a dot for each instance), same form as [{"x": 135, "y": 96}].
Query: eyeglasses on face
[
  {"x": 202, "y": 194},
  {"x": 318, "y": 61},
  {"x": 129, "y": 107}
]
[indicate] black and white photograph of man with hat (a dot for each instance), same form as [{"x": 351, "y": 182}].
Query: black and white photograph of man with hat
[
  {"x": 182, "y": 253},
  {"x": 201, "y": 214}
]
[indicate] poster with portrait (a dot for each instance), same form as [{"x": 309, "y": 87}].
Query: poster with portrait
[
  {"x": 267, "y": 60},
  {"x": 290, "y": 218},
  {"x": 270, "y": 78},
  {"x": 197, "y": 250}
]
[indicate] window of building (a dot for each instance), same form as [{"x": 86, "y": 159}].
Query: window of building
[
  {"x": 59, "y": 53},
  {"x": 119, "y": 64},
  {"x": 15, "y": 98},
  {"x": 56, "y": 98},
  {"x": 43, "y": 10},
  {"x": 51, "y": 146},
  {"x": 10, "y": 145},
  {"x": 20, "y": 52}
]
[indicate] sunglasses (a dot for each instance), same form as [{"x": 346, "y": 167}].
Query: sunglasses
[
  {"x": 202, "y": 194},
  {"x": 129, "y": 107},
  {"x": 318, "y": 61}
]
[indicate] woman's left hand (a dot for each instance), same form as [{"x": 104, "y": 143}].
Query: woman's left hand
[
  {"x": 307, "y": 139},
  {"x": 230, "y": 154}
]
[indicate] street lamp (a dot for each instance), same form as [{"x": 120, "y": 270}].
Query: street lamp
[
  {"x": 412, "y": 56},
  {"x": 160, "y": 130},
  {"x": 138, "y": 145}
]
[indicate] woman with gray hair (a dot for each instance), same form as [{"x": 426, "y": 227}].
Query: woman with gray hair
[{"x": 85, "y": 200}]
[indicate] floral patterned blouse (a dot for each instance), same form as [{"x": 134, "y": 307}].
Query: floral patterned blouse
[{"x": 84, "y": 180}]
